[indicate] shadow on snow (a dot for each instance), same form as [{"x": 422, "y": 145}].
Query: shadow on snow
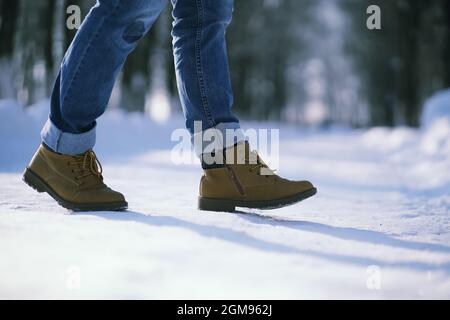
[{"x": 244, "y": 239}]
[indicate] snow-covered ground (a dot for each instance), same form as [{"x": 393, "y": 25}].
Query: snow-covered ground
[{"x": 378, "y": 228}]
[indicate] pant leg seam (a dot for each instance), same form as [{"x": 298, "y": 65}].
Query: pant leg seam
[
  {"x": 78, "y": 68},
  {"x": 198, "y": 61}
]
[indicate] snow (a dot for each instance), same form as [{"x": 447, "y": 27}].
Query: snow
[
  {"x": 437, "y": 107},
  {"x": 378, "y": 228}
]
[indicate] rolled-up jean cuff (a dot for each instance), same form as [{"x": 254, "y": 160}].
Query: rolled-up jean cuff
[
  {"x": 67, "y": 143},
  {"x": 218, "y": 138}
]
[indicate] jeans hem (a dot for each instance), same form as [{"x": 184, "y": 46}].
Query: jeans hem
[
  {"x": 67, "y": 143},
  {"x": 222, "y": 136}
]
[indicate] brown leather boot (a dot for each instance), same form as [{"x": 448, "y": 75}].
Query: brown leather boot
[
  {"x": 75, "y": 182},
  {"x": 248, "y": 185}
]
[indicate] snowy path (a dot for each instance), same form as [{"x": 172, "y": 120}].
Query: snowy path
[{"x": 371, "y": 232}]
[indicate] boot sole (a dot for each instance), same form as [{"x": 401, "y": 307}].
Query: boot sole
[
  {"x": 220, "y": 205},
  {"x": 35, "y": 182}
]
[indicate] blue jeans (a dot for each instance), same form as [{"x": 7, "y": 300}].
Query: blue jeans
[{"x": 109, "y": 34}]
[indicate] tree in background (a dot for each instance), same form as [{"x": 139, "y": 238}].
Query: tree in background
[
  {"x": 287, "y": 58},
  {"x": 404, "y": 62},
  {"x": 266, "y": 37},
  {"x": 8, "y": 20}
]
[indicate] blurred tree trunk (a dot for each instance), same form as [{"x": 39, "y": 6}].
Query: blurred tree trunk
[
  {"x": 135, "y": 80},
  {"x": 28, "y": 52},
  {"x": 9, "y": 11},
  {"x": 408, "y": 49},
  {"x": 8, "y": 16},
  {"x": 446, "y": 51},
  {"x": 47, "y": 18},
  {"x": 68, "y": 33}
]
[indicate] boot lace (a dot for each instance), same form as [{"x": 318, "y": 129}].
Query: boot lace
[
  {"x": 87, "y": 165},
  {"x": 260, "y": 165}
]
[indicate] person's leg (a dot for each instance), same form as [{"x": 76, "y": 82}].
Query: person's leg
[
  {"x": 90, "y": 67},
  {"x": 201, "y": 65},
  {"x": 237, "y": 179},
  {"x": 64, "y": 166}
]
